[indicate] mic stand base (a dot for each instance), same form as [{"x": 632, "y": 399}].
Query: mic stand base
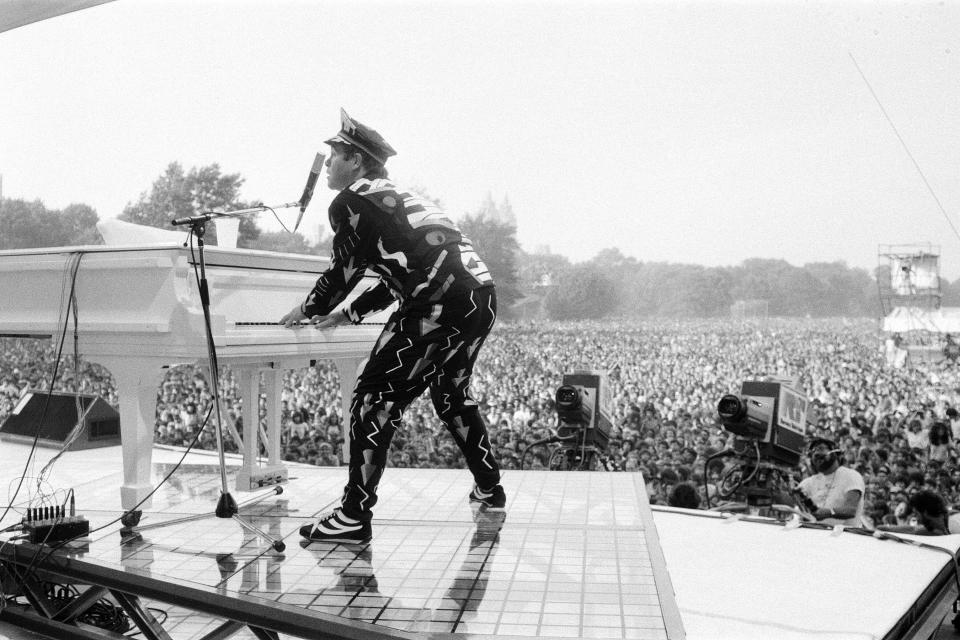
[{"x": 227, "y": 507}]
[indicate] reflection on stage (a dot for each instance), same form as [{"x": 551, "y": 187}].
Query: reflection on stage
[{"x": 570, "y": 557}]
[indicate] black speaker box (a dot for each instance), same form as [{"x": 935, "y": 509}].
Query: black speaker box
[{"x": 49, "y": 418}]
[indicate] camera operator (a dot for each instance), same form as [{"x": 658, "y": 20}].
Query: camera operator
[{"x": 836, "y": 490}]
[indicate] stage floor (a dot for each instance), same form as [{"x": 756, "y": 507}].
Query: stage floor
[{"x": 575, "y": 555}]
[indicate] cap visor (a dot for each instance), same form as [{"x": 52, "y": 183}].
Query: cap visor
[
  {"x": 338, "y": 138},
  {"x": 344, "y": 138}
]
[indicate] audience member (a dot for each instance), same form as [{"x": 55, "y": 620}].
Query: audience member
[{"x": 897, "y": 427}]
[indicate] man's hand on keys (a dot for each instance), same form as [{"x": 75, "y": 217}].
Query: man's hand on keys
[
  {"x": 296, "y": 318},
  {"x": 334, "y": 319}
]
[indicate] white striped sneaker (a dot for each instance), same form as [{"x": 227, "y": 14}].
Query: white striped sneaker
[
  {"x": 336, "y": 527},
  {"x": 494, "y": 500}
]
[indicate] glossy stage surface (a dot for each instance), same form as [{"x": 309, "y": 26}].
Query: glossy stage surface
[{"x": 575, "y": 555}]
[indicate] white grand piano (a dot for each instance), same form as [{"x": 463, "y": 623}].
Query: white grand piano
[{"x": 139, "y": 312}]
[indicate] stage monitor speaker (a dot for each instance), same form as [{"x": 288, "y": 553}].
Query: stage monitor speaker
[{"x": 101, "y": 422}]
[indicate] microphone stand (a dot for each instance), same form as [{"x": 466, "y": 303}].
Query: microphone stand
[
  {"x": 239, "y": 213},
  {"x": 227, "y": 507}
]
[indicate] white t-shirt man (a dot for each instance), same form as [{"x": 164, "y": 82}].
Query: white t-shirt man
[{"x": 829, "y": 491}]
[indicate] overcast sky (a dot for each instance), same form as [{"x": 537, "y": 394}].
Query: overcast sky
[{"x": 700, "y": 132}]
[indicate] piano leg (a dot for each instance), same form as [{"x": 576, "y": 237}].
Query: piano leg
[
  {"x": 273, "y": 386},
  {"x": 253, "y": 476},
  {"x": 349, "y": 370},
  {"x": 138, "y": 380}
]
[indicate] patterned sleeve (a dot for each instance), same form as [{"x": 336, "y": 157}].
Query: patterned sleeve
[
  {"x": 354, "y": 233},
  {"x": 373, "y": 299}
]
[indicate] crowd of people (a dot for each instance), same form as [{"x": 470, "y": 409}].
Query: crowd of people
[{"x": 898, "y": 426}]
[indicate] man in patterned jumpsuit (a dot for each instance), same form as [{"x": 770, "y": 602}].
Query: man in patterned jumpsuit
[{"x": 447, "y": 306}]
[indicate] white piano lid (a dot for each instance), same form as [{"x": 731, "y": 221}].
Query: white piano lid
[{"x": 120, "y": 233}]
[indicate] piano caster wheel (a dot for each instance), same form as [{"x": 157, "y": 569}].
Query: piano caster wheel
[
  {"x": 131, "y": 518},
  {"x": 279, "y": 546}
]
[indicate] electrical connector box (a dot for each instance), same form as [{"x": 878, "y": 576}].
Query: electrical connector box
[{"x": 56, "y": 529}]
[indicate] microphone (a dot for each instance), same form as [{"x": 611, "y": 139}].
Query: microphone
[{"x": 308, "y": 190}]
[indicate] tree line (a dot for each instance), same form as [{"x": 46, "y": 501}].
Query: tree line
[
  {"x": 614, "y": 285},
  {"x": 530, "y": 285}
]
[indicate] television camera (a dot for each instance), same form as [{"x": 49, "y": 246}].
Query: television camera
[
  {"x": 584, "y": 408},
  {"x": 769, "y": 420}
]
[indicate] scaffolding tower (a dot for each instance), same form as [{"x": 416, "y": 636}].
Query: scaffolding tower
[{"x": 909, "y": 277}]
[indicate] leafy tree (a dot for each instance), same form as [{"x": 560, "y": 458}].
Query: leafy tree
[
  {"x": 539, "y": 269},
  {"x": 537, "y": 275},
  {"x": 801, "y": 293},
  {"x": 22, "y": 224},
  {"x": 695, "y": 291},
  {"x": 502, "y": 212},
  {"x": 644, "y": 289},
  {"x": 584, "y": 291},
  {"x": 176, "y": 194},
  {"x": 613, "y": 259},
  {"x": 871, "y": 300},
  {"x": 27, "y": 225},
  {"x": 283, "y": 242},
  {"x": 496, "y": 242},
  {"x": 80, "y": 222},
  {"x": 843, "y": 288},
  {"x": 755, "y": 279},
  {"x": 621, "y": 270}
]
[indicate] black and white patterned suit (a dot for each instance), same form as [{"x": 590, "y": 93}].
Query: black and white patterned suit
[{"x": 447, "y": 306}]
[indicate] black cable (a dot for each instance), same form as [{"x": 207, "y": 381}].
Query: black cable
[
  {"x": 742, "y": 481},
  {"x": 102, "y": 614},
  {"x": 583, "y": 449},
  {"x": 270, "y": 209},
  {"x": 706, "y": 467},
  {"x": 193, "y": 258},
  {"x": 884, "y": 535},
  {"x": 756, "y": 466},
  {"x": 541, "y": 442},
  {"x": 155, "y": 611},
  {"x": 72, "y": 305},
  {"x": 46, "y": 403},
  {"x": 57, "y": 545}
]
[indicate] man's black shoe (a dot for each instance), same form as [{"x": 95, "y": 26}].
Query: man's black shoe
[
  {"x": 336, "y": 527},
  {"x": 494, "y": 499}
]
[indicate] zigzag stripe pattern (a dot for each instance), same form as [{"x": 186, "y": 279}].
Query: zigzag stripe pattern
[
  {"x": 399, "y": 359},
  {"x": 408, "y": 229},
  {"x": 474, "y": 308},
  {"x": 366, "y": 497},
  {"x": 374, "y": 432},
  {"x": 446, "y": 403},
  {"x": 486, "y": 452},
  {"x": 432, "y": 274}
]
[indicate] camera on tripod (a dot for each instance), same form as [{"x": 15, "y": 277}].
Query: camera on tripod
[
  {"x": 584, "y": 407},
  {"x": 771, "y": 413},
  {"x": 770, "y": 419}
]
